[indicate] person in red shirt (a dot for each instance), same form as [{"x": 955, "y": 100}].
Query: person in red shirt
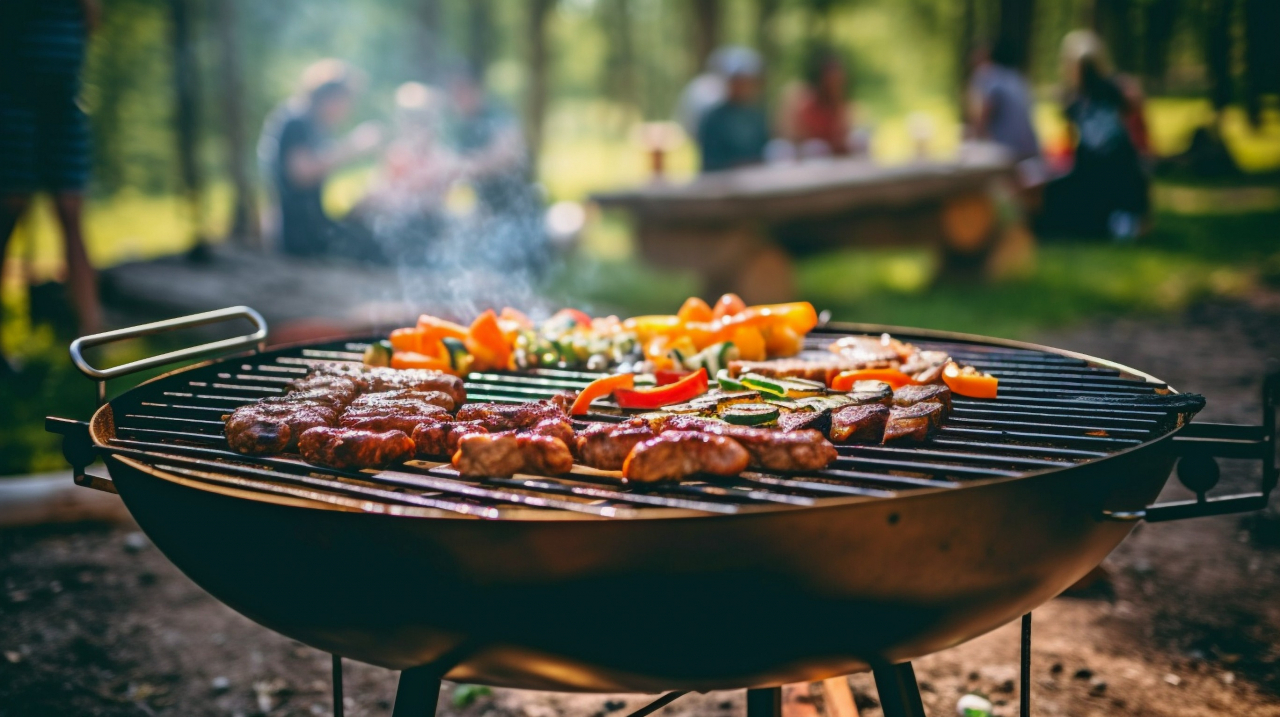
[{"x": 815, "y": 116}]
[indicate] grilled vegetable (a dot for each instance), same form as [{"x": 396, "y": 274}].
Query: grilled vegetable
[
  {"x": 729, "y": 305},
  {"x": 891, "y": 376},
  {"x": 695, "y": 384},
  {"x": 969, "y": 381},
  {"x": 600, "y": 388},
  {"x": 413, "y": 359},
  {"x": 750, "y": 414},
  {"x": 486, "y": 342},
  {"x": 783, "y": 387},
  {"x": 378, "y": 353},
  {"x": 459, "y": 358},
  {"x": 727, "y": 382},
  {"x": 695, "y": 309}
]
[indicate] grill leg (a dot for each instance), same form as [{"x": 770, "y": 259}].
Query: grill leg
[
  {"x": 765, "y": 702},
  {"x": 417, "y": 694},
  {"x": 1025, "y": 697},
  {"x": 337, "y": 686},
  {"x": 899, "y": 693}
]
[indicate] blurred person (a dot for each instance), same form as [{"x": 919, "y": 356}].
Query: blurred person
[
  {"x": 1000, "y": 103},
  {"x": 735, "y": 132},
  {"x": 815, "y": 114},
  {"x": 44, "y": 135},
  {"x": 299, "y": 153},
  {"x": 708, "y": 88},
  {"x": 1106, "y": 190}
]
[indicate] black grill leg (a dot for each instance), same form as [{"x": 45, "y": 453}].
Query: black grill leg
[
  {"x": 417, "y": 694},
  {"x": 765, "y": 702},
  {"x": 899, "y": 693},
  {"x": 337, "y": 686},
  {"x": 1025, "y": 697}
]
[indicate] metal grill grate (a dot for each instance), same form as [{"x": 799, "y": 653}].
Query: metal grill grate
[{"x": 1053, "y": 411}]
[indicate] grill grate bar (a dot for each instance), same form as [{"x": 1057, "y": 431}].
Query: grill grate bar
[
  {"x": 959, "y": 411},
  {"x": 1029, "y": 463},
  {"x": 1090, "y": 430},
  {"x": 925, "y": 467},
  {"x": 1018, "y": 448},
  {"x": 815, "y": 486},
  {"x": 1046, "y": 437},
  {"x": 886, "y": 480},
  {"x": 549, "y": 485},
  {"x": 1046, "y": 404}
]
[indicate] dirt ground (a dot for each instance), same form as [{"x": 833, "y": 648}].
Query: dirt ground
[{"x": 94, "y": 621}]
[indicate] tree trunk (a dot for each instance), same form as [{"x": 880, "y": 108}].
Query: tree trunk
[
  {"x": 186, "y": 108},
  {"x": 1262, "y": 54},
  {"x": 479, "y": 35},
  {"x": 1017, "y": 19},
  {"x": 244, "y": 220},
  {"x": 706, "y": 29},
  {"x": 964, "y": 52},
  {"x": 1216, "y": 37},
  {"x": 536, "y": 99},
  {"x": 430, "y": 34},
  {"x": 767, "y": 42},
  {"x": 1114, "y": 22}
]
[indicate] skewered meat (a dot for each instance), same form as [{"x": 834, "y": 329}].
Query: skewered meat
[
  {"x": 606, "y": 446},
  {"x": 932, "y": 393},
  {"x": 859, "y": 424},
  {"x": 349, "y": 448},
  {"x": 484, "y": 454},
  {"x": 676, "y": 454},
  {"x": 506, "y": 417},
  {"x": 261, "y": 428},
  {"x": 439, "y": 437},
  {"x": 913, "y": 424}
]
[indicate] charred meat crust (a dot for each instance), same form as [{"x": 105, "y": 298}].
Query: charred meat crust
[
  {"x": 349, "y": 448},
  {"x": 676, "y": 454}
]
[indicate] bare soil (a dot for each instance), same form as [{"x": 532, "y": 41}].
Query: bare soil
[{"x": 94, "y": 621}]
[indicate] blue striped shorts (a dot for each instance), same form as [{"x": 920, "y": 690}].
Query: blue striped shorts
[{"x": 44, "y": 141}]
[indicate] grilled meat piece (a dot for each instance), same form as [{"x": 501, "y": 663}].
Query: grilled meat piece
[
  {"x": 805, "y": 420},
  {"x": 932, "y": 393},
  {"x": 913, "y": 424},
  {"x": 554, "y": 427},
  {"x": 404, "y": 397},
  {"x": 872, "y": 351},
  {"x": 859, "y": 424},
  {"x": 407, "y": 422},
  {"x": 804, "y": 450},
  {"x": 440, "y": 437},
  {"x": 563, "y": 399},
  {"x": 342, "y": 389},
  {"x": 484, "y": 454},
  {"x": 925, "y": 366},
  {"x": 262, "y": 428},
  {"x": 606, "y": 446},
  {"x": 349, "y": 448},
  {"x": 334, "y": 397},
  {"x": 676, "y": 454},
  {"x": 375, "y": 379},
  {"x": 508, "y": 417},
  {"x": 867, "y": 392}
]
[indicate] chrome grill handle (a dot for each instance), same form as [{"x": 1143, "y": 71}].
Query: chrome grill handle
[{"x": 255, "y": 341}]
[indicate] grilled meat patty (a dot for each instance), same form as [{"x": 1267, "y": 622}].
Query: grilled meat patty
[
  {"x": 677, "y": 454},
  {"x": 859, "y": 424},
  {"x": 264, "y": 428},
  {"x": 350, "y": 448},
  {"x": 503, "y": 454},
  {"x": 913, "y": 424}
]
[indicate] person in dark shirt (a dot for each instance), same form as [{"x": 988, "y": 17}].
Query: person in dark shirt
[
  {"x": 298, "y": 153},
  {"x": 44, "y": 135},
  {"x": 734, "y": 132}
]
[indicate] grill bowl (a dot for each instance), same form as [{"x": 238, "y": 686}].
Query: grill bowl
[{"x": 670, "y": 600}]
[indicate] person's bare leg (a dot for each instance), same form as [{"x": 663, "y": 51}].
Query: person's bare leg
[
  {"x": 81, "y": 278},
  {"x": 12, "y": 207}
]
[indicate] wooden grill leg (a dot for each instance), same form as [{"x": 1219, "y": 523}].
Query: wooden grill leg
[
  {"x": 417, "y": 694},
  {"x": 765, "y": 702},
  {"x": 899, "y": 693}
]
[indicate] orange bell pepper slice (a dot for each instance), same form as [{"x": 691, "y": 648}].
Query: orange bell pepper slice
[
  {"x": 413, "y": 359},
  {"x": 892, "y": 376},
  {"x": 782, "y": 340},
  {"x": 968, "y": 381},
  {"x": 487, "y": 343},
  {"x": 408, "y": 339},
  {"x": 648, "y": 327},
  {"x": 750, "y": 343},
  {"x": 799, "y": 315},
  {"x": 600, "y": 388},
  {"x": 437, "y": 328},
  {"x": 728, "y": 305},
  {"x": 516, "y": 316},
  {"x": 695, "y": 309}
]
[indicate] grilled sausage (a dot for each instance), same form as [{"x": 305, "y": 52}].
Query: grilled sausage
[
  {"x": 440, "y": 437},
  {"x": 503, "y": 454},
  {"x": 859, "y": 424},
  {"x": 606, "y": 446},
  {"x": 348, "y": 448},
  {"x": 404, "y": 397},
  {"x": 262, "y": 428},
  {"x": 676, "y": 454},
  {"x": 507, "y": 417}
]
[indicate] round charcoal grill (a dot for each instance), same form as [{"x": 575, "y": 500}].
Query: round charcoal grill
[{"x": 584, "y": 583}]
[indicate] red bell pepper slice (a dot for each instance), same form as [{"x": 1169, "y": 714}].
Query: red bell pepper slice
[
  {"x": 668, "y": 376},
  {"x": 580, "y": 318},
  {"x": 689, "y": 387},
  {"x": 600, "y": 388}
]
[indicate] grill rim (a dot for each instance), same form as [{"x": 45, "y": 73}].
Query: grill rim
[{"x": 102, "y": 424}]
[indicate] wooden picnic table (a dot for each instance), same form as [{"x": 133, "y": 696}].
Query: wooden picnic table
[{"x": 740, "y": 229}]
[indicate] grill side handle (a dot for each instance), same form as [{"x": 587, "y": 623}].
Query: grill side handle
[
  {"x": 255, "y": 341},
  {"x": 1199, "y": 445}
]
